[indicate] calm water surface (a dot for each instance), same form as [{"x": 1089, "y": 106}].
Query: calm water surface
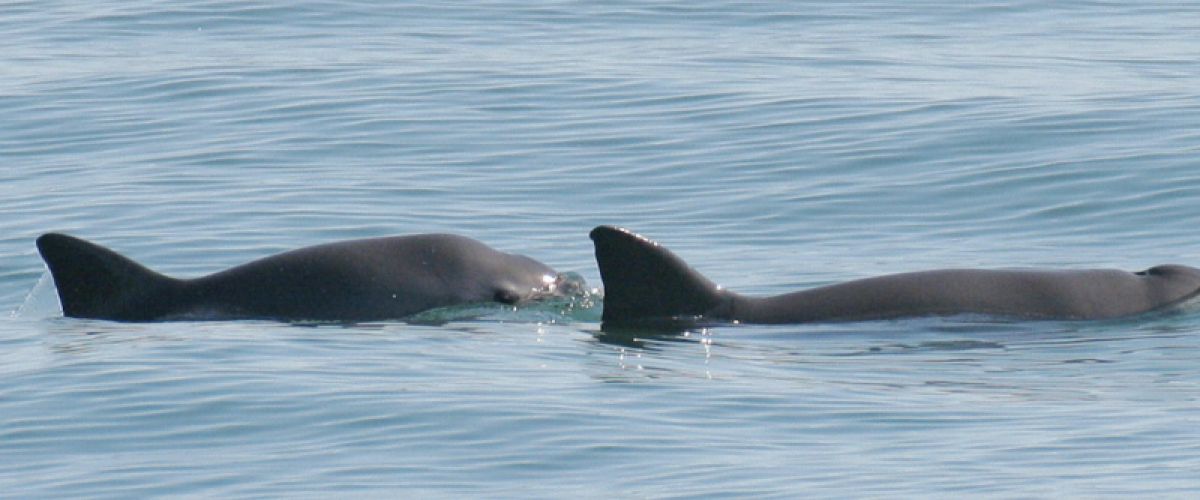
[{"x": 775, "y": 146}]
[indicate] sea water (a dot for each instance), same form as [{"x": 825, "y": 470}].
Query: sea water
[{"x": 775, "y": 146}]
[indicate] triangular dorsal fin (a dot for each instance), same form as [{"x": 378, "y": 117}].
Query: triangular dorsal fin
[
  {"x": 95, "y": 282},
  {"x": 645, "y": 282}
]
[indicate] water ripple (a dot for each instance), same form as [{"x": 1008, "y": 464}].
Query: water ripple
[{"x": 772, "y": 145}]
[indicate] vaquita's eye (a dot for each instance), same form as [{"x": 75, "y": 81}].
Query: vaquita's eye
[{"x": 506, "y": 297}]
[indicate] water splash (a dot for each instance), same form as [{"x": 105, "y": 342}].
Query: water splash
[{"x": 41, "y": 302}]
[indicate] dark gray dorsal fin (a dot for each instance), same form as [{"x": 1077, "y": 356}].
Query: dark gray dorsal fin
[
  {"x": 645, "y": 282},
  {"x": 95, "y": 282}
]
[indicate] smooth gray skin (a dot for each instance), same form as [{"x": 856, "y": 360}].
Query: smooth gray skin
[
  {"x": 380, "y": 278},
  {"x": 644, "y": 282}
]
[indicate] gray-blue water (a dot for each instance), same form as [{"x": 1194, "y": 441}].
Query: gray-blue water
[{"x": 773, "y": 145}]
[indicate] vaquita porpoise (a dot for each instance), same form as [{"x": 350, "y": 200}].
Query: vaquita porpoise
[
  {"x": 370, "y": 279},
  {"x": 646, "y": 283}
]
